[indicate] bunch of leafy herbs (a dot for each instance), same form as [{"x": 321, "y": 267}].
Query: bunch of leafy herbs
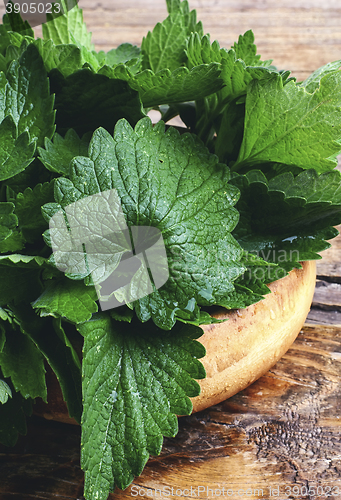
[{"x": 251, "y": 186}]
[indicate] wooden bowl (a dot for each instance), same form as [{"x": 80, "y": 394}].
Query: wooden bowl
[{"x": 240, "y": 350}]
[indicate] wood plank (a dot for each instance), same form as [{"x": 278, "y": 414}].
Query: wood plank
[
  {"x": 330, "y": 265},
  {"x": 282, "y": 431},
  {"x": 319, "y": 316},
  {"x": 327, "y": 295},
  {"x": 42, "y": 465}
]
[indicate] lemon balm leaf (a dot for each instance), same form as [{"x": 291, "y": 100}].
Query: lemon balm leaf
[
  {"x": 135, "y": 382},
  {"x": 16, "y": 153},
  {"x": 5, "y": 392},
  {"x": 23, "y": 363},
  {"x": 287, "y": 124},
  {"x": 164, "y": 47},
  {"x": 102, "y": 102},
  {"x": 287, "y": 218},
  {"x": 67, "y": 299},
  {"x": 68, "y": 27},
  {"x": 57, "y": 154},
  {"x": 166, "y": 87},
  {"x": 193, "y": 209}
]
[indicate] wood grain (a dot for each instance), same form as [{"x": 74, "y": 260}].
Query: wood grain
[
  {"x": 327, "y": 298},
  {"x": 330, "y": 266},
  {"x": 282, "y": 431}
]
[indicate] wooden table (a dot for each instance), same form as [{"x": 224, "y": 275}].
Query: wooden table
[{"x": 280, "y": 436}]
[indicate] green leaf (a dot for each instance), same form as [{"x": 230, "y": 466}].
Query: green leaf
[
  {"x": 102, "y": 101},
  {"x": 16, "y": 23},
  {"x": 135, "y": 382},
  {"x": 121, "y": 55},
  {"x": 3, "y": 64},
  {"x": 192, "y": 208},
  {"x": 13, "y": 243},
  {"x": 295, "y": 203},
  {"x": 28, "y": 210},
  {"x": 16, "y": 153},
  {"x": 246, "y": 295},
  {"x": 173, "y": 6},
  {"x": 26, "y": 97},
  {"x": 251, "y": 287},
  {"x": 207, "y": 319},
  {"x": 71, "y": 352},
  {"x": 235, "y": 74},
  {"x": 68, "y": 299},
  {"x": 58, "y": 154},
  {"x": 2, "y": 332},
  {"x": 35, "y": 173},
  {"x": 90, "y": 59},
  {"x": 195, "y": 316},
  {"x": 7, "y": 319},
  {"x": 5, "y": 392},
  {"x": 13, "y": 417},
  {"x": 65, "y": 58},
  {"x": 286, "y": 124},
  {"x": 67, "y": 28},
  {"x": 181, "y": 85},
  {"x": 8, "y": 221},
  {"x": 231, "y": 130},
  {"x": 18, "y": 260},
  {"x": 164, "y": 47},
  {"x": 5, "y": 39},
  {"x": 19, "y": 278},
  {"x": 12, "y": 43},
  {"x": 288, "y": 218},
  {"x": 12, "y": 54},
  {"x": 11, "y": 239},
  {"x": 246, "y": 50},
  {"x": 58, "y": 352},
  {"x": 122, "y": 314},
  {"x": 4, "y": 317},
  {"x": 313, "y": 80},
  {"x": 15, "y": 49},
  {"x": 23, "y": 363}
]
